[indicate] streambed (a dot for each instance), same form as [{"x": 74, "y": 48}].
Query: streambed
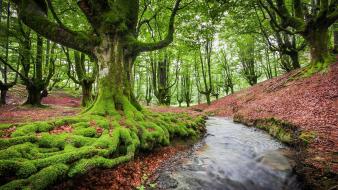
[{"x": 232, "y": 157}]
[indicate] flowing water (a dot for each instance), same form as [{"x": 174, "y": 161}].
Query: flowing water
[{"x": 234, "y": 157}]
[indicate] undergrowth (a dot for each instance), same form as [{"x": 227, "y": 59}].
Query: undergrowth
[{"x": 38, "y": 154}]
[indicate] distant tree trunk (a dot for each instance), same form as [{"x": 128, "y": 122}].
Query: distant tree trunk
[
  {"x": 3, "y": 96},
  {"x": 82, "y": 79},
  {"x": 34, "y": 95},
  {"x": 161, "y": 79},
  {"x": 87, "y": 96},
  {"x": 247, "y": 58},
  {"x": 295, "y": 59},
  {"x": 148, "y": 96},
  {"x": 35, "y": 85}
]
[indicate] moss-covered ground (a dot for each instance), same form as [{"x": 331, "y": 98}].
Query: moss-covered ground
[{"x": 38, "y": 154}]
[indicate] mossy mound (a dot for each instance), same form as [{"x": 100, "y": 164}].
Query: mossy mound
[{"x": 40, "y": 153}]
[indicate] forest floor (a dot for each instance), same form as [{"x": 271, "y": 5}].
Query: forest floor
[
  {"x": 58, "y": 104},
  {"x": 310, "y": 104}
]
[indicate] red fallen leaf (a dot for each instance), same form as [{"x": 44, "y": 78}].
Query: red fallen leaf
[
  {"x": 62, "y": 129},
  {"x": 6, "y": 133}
]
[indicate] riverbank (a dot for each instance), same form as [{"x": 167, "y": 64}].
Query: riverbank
[{"x": 301, "y": 111}]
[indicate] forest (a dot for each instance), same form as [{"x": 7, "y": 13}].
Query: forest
[{"x": 107, "y": 94}]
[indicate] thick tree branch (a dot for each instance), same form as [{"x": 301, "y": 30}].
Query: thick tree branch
[
  {"x": 32, "y": 15},
  {"x": 142, "y": 47}
]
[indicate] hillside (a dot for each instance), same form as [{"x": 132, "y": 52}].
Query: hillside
[{"x": 304, "y": 107}]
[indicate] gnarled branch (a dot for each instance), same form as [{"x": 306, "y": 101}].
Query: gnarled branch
[{"x": 142, "y": 47}]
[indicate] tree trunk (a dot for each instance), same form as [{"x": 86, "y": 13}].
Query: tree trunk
[
  {"x": 114, "y": 91},
  {"x": 34, "y": 96},
  {"x": 3, "y": 96},
  {"x": 295, "y": 60},
  {"x": 188, "y": 104},
  {"x": 318, "y": 42},
  {"x": 86, "y": 93},
  {"x": 207, "y": 96}
]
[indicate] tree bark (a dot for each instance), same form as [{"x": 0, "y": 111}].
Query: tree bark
[
  {"x": 86, "y": 93},
  {"x": 3, "y": 96},
  {"x": 318, "y": 42},
  {"x": 115, "y": 93},
  {"x": 207, "y": 96},
  {"x": 295, "y": 60},
  {"x": 34, "y": 96}
]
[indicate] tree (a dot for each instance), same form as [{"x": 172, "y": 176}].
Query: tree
[
  {"x": 180, "y": 91},
  {"x": 187, "y": 87},
  {"x": 227, "y": 73},
  {"x": 83, "y": 77},
  {"x": 309, "y": 20},
  {"x": 36, "y": 85},
  {"x": 247, "y": 58},
  {"x": 287, "y": 44},
  {"x": 160, "y": 69},
  {"x": 205, "y": 63},
  {"x": 5, "y": 85},
  {"x": 113, "y": 42}
]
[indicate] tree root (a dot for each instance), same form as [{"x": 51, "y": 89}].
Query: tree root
[{"x": 38, "y": 154}]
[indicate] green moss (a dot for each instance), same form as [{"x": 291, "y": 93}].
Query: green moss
[
  {"x": 323, "y": 67},
  {"x": 32, "y": 128},
  {"x": 5, "y": 126},
  {"x": 4, "y": 143},
  {"x": 307, "y": 136},
  {"x": 34, "y": 161},
  {"x": 40, "y": 180},
  {"x": 87, "y": 132},
  {"x": 53, "y": 141}
]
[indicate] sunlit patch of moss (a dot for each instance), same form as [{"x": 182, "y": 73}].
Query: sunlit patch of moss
[
  {"x": 5, "y": 126},
  {"x": 307, "y": 136},
  {"x": 322, "y": 67}
]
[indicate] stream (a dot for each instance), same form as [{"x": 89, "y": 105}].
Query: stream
[{"x": 232, "y": 157}]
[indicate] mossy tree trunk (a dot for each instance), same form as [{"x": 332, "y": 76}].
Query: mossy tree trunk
[
  {"x": 318, "y": 41},
  {"x": 115, "y": 92}
]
